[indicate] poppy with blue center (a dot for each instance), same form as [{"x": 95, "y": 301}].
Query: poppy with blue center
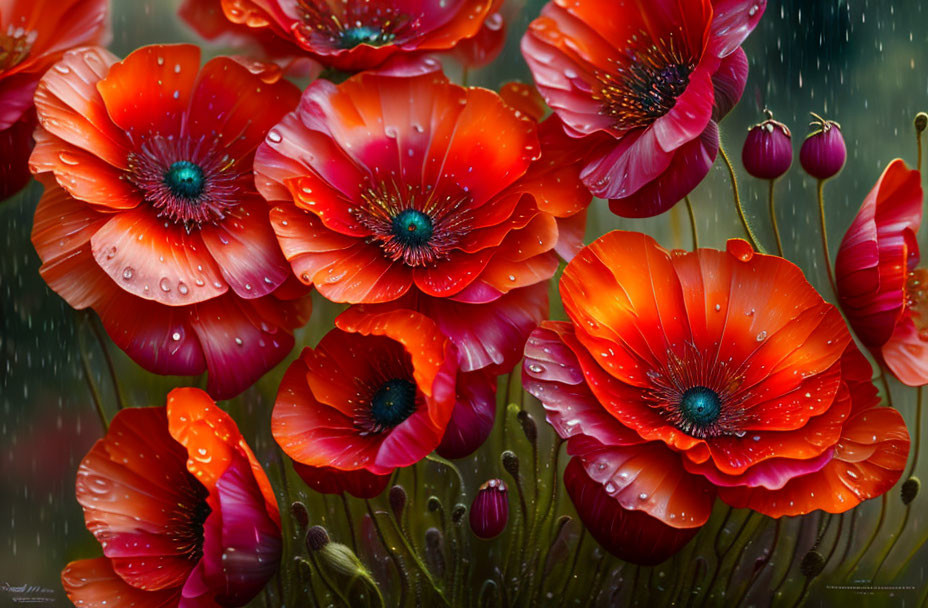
[
  {"x": 412, "y": 228},
  {"x": 700, "y": 406},
  {"x": 184, "y": 179},
  {"x": 393, "y": 403}
]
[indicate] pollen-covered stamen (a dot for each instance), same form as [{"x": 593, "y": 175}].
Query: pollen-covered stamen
[
  {"x": 186, "y": 180},
  {"x": 358, "y": 23},
  {"x": 647, "y": 83},
  {"x": 416, "y": 227},
  {"x": 15, "y": 44},
  {"x": 389, "y": 394},
  {"x": 188, "y": 517},
  {"x": 699, "y": 395}
]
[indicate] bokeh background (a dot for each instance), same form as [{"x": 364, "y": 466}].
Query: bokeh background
[{"x": 862, "y": 63}]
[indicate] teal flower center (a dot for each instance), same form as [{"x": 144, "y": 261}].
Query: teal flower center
[
  {"x": 184, "y": 179},
  {"x": 363, "y": 34},
  {"x": 393, "y": 402},
  {"x": 412, "y": 228},
  {"x": 700, "y": 406}
]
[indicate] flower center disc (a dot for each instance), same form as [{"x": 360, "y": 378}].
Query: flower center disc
[
  {"x": 412, "y": 228},
  {"x": 184, "y": 179},
  {"x": 363, "y": 34},
  {"x": 700, "y": 406},
  {"x": 394, "y": 402}
]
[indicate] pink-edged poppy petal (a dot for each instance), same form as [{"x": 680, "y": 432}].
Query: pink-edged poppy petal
[
  {"x": 70, "y": 107},
  {"x": 473, "y": 416},
  {"x": 157, "y": 260},
  {"x": 238, "y": 344},
  {"x": 691, "y": 113},
  {"x": 245, "y": 248},
  {"x": 906, "y": 352},
  {"x": 690, "y": 164},
  {"x": 732, "y": 21},
  {"x": 621, "y": 167},
  {"x": 729, "y": 82},
  {"x": 631, "y": 535}
]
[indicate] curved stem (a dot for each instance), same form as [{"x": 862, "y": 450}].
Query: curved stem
[
  {"x": 870, "y": 541},
  {"x": 347, "y": 509},
  {"x": 821, "y": 213},
  {"x": 419, "y": 564},
  {"x": 101, "y": 340},
  {"x": 918, "y": 143},
  {"x": 689, "y": 208},
  {"x": 397, "y": 562},
  {"x": 88, "y": 376},
  {"x": 918, "y": 434},
  {"x": 445, "y": 462},
  {"x": 734, "y": 187},
  {"x": 773, "y": 218}
]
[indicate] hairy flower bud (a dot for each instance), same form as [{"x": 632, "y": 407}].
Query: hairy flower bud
[
  {"x": 489, "y": 512},
  {"x": 823, "y": 152},
  {"x": 316, "y": 538},
  {"x": 768, "y": 149},
  {"x": 511, "y": 463},
  {"x": 397, "y": 500}
]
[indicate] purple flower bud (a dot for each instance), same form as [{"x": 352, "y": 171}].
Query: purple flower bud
[
  {"x": 823, "y": 152},
  {"x": 490, "y": 510},
  {"x": 768, "y": 149}
]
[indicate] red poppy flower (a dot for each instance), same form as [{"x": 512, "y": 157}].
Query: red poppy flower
[
  {"x": 403, "y": 188},
  {"x": 683, "y": 376},
  {"x": 880, "y": 287},
  {"x": 150, "y": 214},
  {"x": 646, "y": 83},
  {"x": 33, "y": 35},
  {"x": 355, "y": 35},
  {"x": 183, "y": 510},
  {"x": 375, "y": 394}
]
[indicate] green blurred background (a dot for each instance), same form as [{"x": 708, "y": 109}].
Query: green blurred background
[{"x": 862, "y": 63}]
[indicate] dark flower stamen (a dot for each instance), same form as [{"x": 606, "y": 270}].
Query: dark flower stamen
[
  {"x": 185, "y": 179},
  {"x": 394, "y": 402},
  {"x": 359, "y": 23},
  {"x": 15, "y": 44},
  {"x": 647, "y": 85},
  {"x": 700, "y": 406},
  {"x": 189, "y": 517},
  {"x": 417, "y": 228}
]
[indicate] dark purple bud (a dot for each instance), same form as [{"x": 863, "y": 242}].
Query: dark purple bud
[
  {"x": 397, "y": 501},
  {"x": 316, "y": 538},
  {"x": 768, "y": 149},
  {"x": 300, "y": 514},
  {"x": 490, "y": 510},
  {"x": 823, "y": 152}
]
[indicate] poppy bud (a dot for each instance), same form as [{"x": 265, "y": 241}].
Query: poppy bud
[
  {"x": 300, "y": 514},
  {"x": 768, "y": 149},
  {"x": 823, "y": 152},
  {"x": 457, "y": 514},
  {"x": 511, "y": 463},
  {"x": 528, "y": 426},
  {"x": 490, "y": 509},
  {"x": 910, "y": 489},
  {"x": 316, "y": 538},
  {"x": 812, "y": 564},
  {"x": 921, "y": 122},
  {"x": 435, "y": 551},
  {"x": 397, "y": 500}
]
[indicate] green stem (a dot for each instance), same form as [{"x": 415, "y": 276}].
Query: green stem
[
  {"x": 397, "y": 562},
  {"x": 773, "y": 217},
  {"x": 573, "y": 565},
  {"x": 88, "y": 377},
  {"x": 347, "y": 509},
  {"x": 102, "y": 340},
  {"x": 419, "y": 564},
  {"x": 821, "y": 213},
  {"x": 918, "y": 434},
  {"x": 692, "y": 214},
  {"x": 445, "y": 462},
  {"x": 734, "y": 187},
  {"x": 870, "y": 541}
]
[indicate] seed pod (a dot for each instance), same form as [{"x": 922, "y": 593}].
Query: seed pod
[
  {"x": 910, "y": 489},
  {"x": 823, "y": 152},
  {"x": 812, "y": 564},
  {"x": 457, "y": 514},
  {"x": 921, "y": 122},
  {"x": 511, "y": 463},
  {"x": 300, "y": 514},
  {"x": 397, "y": 500},
  {"x": 489, "y": 512},
  {"x": 316, "y": 538},
  {"x": 528, "y": 426},
  {"x": 768, "y": 149}
]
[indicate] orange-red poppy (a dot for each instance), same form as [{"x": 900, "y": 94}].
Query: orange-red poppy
[
  {"x": 33, "y": 35},
  {"x": 880, "y": 286},
  {"x": 355, "y": 35},
  {"x": 375, "y": 394},
  {"x": 682, "y": 376},
  {"x": 400, "y": 187},
  {"x": 640, "y": 85},
  {"x": 150, "y": 214},
  {"x": 181, "y": 507}
]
